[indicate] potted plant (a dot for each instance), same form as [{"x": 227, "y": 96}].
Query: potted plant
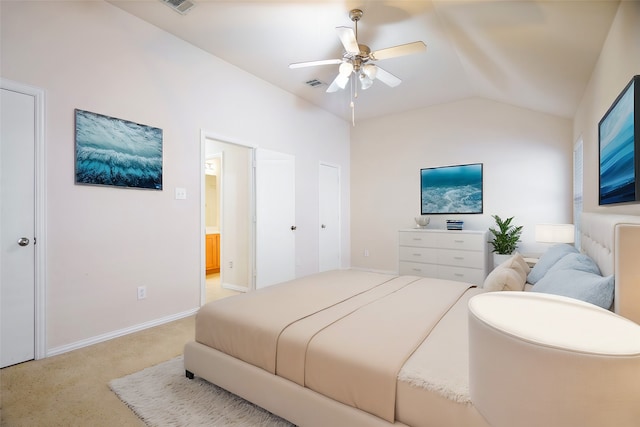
[{"x": 505, "y": 238}]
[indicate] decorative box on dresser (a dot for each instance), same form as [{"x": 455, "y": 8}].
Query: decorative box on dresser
[{"x": 461, "y": 255}]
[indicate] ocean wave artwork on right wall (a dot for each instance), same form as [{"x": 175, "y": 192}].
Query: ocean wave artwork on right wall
[{"x": 618, "y": 139}]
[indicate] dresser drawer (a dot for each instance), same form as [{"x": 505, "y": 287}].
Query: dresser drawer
[
  {"x": 418, "y": 269},
  {"x": 417, "y": 238},
  {"x": 452, "y": 255},
  {"x": 469, "y": 242},
  {"x": 418, "y": 254},
  {"x": 457, "y": 258},
  {"x": 461, "y": 274}
]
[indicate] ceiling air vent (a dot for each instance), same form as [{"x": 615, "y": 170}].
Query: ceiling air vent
[
  {"x": 315, "y": 83},
  {"x": 180, "y": 6}
]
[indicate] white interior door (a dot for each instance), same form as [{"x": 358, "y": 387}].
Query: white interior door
[
  {"x": 275, "y": 217},
  {"x": 329, "y": 237},
  {"x": 17, "y": 227}
]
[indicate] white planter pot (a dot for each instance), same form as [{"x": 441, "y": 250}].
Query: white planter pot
[{"x": 499, "y": 259}]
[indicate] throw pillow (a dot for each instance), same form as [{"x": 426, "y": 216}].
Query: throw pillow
[
  {"x": 517, "y": 262},
  {"x": 577, "y": 284},
  {"x": 548, "y": 259},
  {"x": 577, "y": 261},
  {"x": 504, "y": 279}
]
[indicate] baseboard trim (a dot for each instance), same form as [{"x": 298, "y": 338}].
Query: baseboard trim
[
  {"x": 233, "y": 287},
  {"x": 115, "y": 334}
]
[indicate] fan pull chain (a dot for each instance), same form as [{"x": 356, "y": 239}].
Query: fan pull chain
[{"x": 354, "y": 89}]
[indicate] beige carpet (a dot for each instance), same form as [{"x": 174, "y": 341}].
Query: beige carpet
[
  {"x": 72, "y": 389},
  {"x": 162, "y": 396}
]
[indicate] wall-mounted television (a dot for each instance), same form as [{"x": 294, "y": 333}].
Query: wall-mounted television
[
  {"x": 619, "y": 139},
  {"x": 451, "y": 189}
]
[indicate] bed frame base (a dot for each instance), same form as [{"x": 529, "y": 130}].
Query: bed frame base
[{"x": 299, "y": 405}]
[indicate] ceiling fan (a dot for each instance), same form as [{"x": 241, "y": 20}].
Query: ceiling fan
[{"x": 358, "y": 59}]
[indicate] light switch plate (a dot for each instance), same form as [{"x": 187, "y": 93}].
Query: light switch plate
[{"x": 181, "y": 193}]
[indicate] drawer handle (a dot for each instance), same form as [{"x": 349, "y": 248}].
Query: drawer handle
[
  {"x": 417, "y": 239},
  {"x": 459, "y": 258},
  {"x": 459, "y": 241},
  {"x": 459, "y": 274},
  {"x": 417, "y": 269},
  {"x": 417, "y": 254}
]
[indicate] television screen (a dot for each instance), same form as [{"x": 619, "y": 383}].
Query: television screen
[
  {"x": 451, "y": 189},
  {"x": 618, "y": 137}
]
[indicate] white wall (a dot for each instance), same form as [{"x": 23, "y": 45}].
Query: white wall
[
  {"x": 618, "y": 62},
  {"x": 104, "y": 242},
  {"x": 527, "y": 158}
]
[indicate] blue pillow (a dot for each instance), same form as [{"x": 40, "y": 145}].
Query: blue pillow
[
  {"x": 576, "y": 261},
  {"x": 577, "y": 284},
  {"x": 548, "y": 259}
]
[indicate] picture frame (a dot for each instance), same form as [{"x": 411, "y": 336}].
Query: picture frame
[
  {"x": 116, "y": 152},
  {"x": 454, "y": 189},
  {"x": 619, "y": 148}
]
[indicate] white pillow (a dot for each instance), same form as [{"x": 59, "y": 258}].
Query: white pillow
[
  {"x": 504, "y": 278},
  {"x": 517, "y": 262}
]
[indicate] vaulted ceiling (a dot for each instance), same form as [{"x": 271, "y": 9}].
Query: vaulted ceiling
[{"x": 533, "y": 54}]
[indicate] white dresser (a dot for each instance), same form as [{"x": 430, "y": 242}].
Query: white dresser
[{"x": 462, "y": 255}]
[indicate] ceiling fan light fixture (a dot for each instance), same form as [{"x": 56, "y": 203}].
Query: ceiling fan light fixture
[
  {"x": 365, "y": 81},
  {"x": 345, "y": 69},
  {"x": 370, "y": 71}
]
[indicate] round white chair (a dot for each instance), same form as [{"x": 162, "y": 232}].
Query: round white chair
[{"x": 545, "y": 360}]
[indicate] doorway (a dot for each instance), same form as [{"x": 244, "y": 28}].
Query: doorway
[
  {"x": 257, "y": 214},
  {"x": 227, "y": 218},
  {"x": 22, "y": 225}
]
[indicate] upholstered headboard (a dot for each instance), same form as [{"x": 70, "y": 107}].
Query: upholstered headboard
[{"x": 613, "y": 242}]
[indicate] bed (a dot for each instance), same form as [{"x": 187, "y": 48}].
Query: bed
[{"x": 356, "y": 348}]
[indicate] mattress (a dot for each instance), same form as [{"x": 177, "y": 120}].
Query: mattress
[{"x": 395, "y": 347}]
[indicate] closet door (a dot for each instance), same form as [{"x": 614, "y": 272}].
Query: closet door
[
  {"x": 329, "y": 233},
  {"x": 275, "y": 217}
]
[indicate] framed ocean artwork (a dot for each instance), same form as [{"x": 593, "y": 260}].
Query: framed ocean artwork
[
  {"x": 451, "y": 189},
  {"x": 116, "y": 152},
  {"x": 619, "y": 139}
]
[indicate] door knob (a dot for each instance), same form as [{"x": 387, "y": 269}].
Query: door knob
[
  {"x": 293, "y": 227},
  {"x": 323, "y": 226},
  {"x": 23, "y": 241}
]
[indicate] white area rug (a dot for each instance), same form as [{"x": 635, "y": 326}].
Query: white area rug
[{"x": 162, "y": 396}]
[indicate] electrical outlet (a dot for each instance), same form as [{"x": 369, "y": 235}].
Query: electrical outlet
[
  {"x": 230, "y": 264},
  {"x": 142, "y": 292},
  {"x": 366, "y": 252}
]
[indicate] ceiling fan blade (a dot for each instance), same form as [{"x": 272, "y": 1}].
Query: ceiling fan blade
[
  {"x": 348, "y": 39},
  {"x": 340, "y": 82},
  {"x": 403, "y": 49},
  {"x": 314, "y": 63},
  {"x": 387, "y": 78}
]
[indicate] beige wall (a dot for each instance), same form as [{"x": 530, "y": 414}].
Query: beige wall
[
  {"x": 619, "y": 61},
  {"x": 102, "y": 243},
  {"x": 527, "y": 159}
]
